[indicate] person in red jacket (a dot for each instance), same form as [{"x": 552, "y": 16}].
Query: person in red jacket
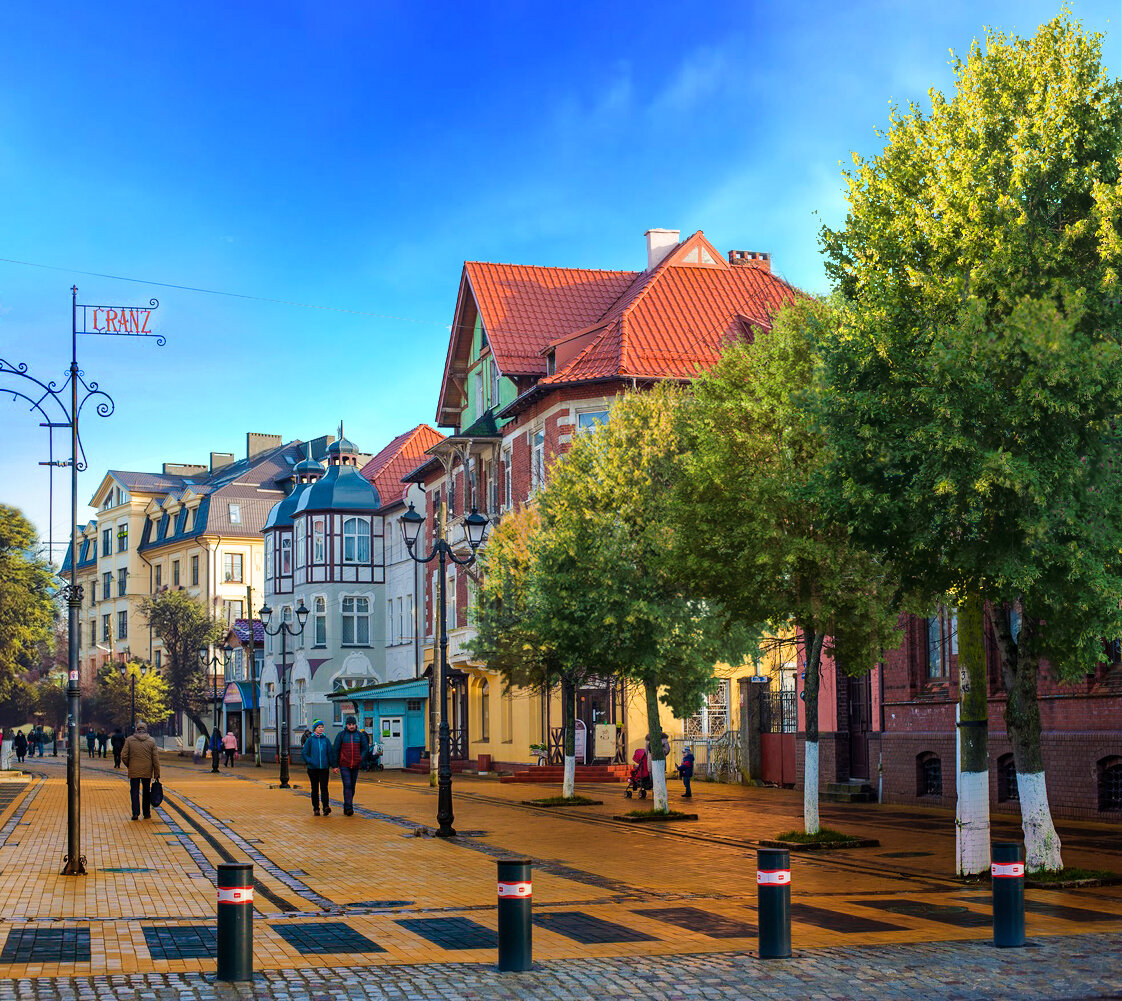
[{"x": 350, "y": 748}]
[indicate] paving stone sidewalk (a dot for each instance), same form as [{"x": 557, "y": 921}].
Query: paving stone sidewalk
[{"x": 1072, "y": 967}]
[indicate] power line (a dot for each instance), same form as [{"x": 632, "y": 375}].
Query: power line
[{"x": 211, "y": 291}]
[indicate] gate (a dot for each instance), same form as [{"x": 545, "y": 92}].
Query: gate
[{"x": 779, "y": 721}]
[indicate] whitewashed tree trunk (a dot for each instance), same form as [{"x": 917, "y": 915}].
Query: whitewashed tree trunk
[
  {"x": 1042, "y": 843},
  {"x": 810, "y": 787},
  {"x": 972, "y": 823},
  {"x": 658, "y": 777},
  {"x": 568, "y": 789}
]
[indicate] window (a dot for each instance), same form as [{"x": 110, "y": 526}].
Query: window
[
  {"x": 93, "y": 591},
  {"x": 507, "y": 492},
  {"x": 231, "y": 611},
  {"x": 452, "y": 487},
  {"x": 480, "y": 406},
  {"x": 485, "y": 711},
  {"x": 494, "y": 382},
  {"x": 122, "y": 538},
  {"x": 415, "y": 705},
  {"x": 232, "y": 567},
  {"x": 942, "y": 643},
  {"x": 301, "y": 548},
  {"x": 1110, "y": 783},
  {"x": 235, "y": 514},
  {"x": 239, "y": 664},
  {"x": 159, "y": 574},
  {"x": 93, "y": 633},
  {"x": 929, "y": 774},
  {"x": 107, "y": 584},
  {"x": 159, "y": 659},
  {"x": 537, "y": 459},
  {"x": 319, "y": 548},
  {"x": 93, "y": 549},
  {"x": 451, "y": 598},
  {"x": 106, "y": 636},
  {"x": 591, "y": 419},
  {"x": 319, "y": 622},
  {"x": 286, "y": 555},
  {"x": 1006, "y": 779},
  {"x": 407, "y": 636},
  {"x": 391, "y": 639},
  {"x": 402, "y": 628},
  {"x": 356, "y": 622},
  {"x": 356, "y": 540},
  {"x": 122, "y": 582},
  {"x": 302, "y": 702},
  {"x": 122, "y": 625},
  {"x": 106, "y": 541},
  {"x": 175, "y": 573},
  {"x": 492, "y": 488},
  {"x": 269, "y": 561},
  {"x": 194, "y": 571},
  {"x": 508, "y": 716}
]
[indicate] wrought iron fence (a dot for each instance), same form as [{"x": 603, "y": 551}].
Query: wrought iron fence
[{"x": 779, "y": 712}]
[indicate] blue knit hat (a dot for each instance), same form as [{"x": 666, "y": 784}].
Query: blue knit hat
[{"x": 316, "y": 722}]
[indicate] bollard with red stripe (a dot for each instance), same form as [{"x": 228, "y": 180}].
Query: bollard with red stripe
[
  {"x": 235, "y": 921},
  {"x": 516, "y": 895},
  {"x": 1007, "y": 874},
  {"x": 773, "y": 893}
]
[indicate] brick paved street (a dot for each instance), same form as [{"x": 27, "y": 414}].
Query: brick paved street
[{"x": 620, "y": 910}]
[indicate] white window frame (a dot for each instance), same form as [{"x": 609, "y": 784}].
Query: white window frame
[
  {"x": 359, "y": 620},
  {"x": 319, "y": 540},
  {"x": 319, "y": 621},
  {"x": 354, "y": 535},
  {"x": 286, "y": 556},
  {"x": 537, "y": 458},
  {"x": 235, "y": 513}
]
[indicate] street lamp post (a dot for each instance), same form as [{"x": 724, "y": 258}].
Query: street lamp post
[
  {"x": 284, "y": 630},
  {"x": 475, "y": 526},
  {"x": 214, "y": 662},
  {"x": 131, "y": 675}
]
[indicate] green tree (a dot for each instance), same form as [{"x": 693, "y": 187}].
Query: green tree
[
  {"x": 608, "y": 575},
  {"x": 27, "y": 610},
  {"x": 975, "y": 381},
  {"x": 17, "y": 703},
  {"x": 516, "y": 632},
  {"x": 753, "y": 534},
  {"x": 115, "y": 692},
  {"x": 51, "y": 701},
  {"x": 183, "y": 625}
]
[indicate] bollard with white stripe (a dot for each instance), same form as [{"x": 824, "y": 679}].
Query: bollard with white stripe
[
  {"x": 773, "y": 893},
  {"x": 235, "y": 921},
  {"x": 1007, "y": 874},
  {"x": 516, "y": 895}
]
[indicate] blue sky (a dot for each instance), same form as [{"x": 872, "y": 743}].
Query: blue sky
[{"x": 352, "y": 155}]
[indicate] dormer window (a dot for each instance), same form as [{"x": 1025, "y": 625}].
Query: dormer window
[
  {"x": 235, "y": 514},
  {"x": 551, "y": 363}
]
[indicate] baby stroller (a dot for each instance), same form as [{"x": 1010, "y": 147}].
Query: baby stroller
[
  {"x": 640, "y": 778},
  {"x": 372, "y": 760}
]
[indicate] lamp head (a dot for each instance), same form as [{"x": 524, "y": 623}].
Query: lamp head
[
  {"x": 411, "y": 524},
  {"x": 302, "y": 613},
  {"x": 265, "y": 614},
  {"x": 476, "y": 526},
  {"x": 203, "y": 652}
]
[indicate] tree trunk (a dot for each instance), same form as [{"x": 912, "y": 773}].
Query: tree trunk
[
  {"x": 195, "y": 718},
  {"x": 657, "y": 755},
  {"x": 1019, "y": 667},
  {"x": 972, "y": 816},
  {"x": 811, "y": 823},
  {"x": 569, "y": 702}
]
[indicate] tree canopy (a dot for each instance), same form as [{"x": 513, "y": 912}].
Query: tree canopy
[{"x": 27, "y": 609}]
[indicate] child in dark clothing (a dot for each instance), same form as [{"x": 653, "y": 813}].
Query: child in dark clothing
[{"x": 685, "y": 773}]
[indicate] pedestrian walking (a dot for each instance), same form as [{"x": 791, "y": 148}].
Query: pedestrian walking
[
  {"x": 91, "y": 740},
  {"x": 142, "y": 759},
  {"x": 685, "y": 772},
  {"x": 19, "y": 745},
  {"x": 102, "y": 742},
  {"x": 230, "y": 747},
  {"x": 117, "y": 741},
  {"x": 317, "y": 754},
  {"x": 215, "y": 745},
  {"x": 40, "y": 739},
  {"x": 350, "y": 746}
]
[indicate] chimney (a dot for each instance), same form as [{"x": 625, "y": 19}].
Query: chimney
[
  {"x": 750, "y": 259},
  {"x": 220, "y": 459},
  {"x": 319, "y": 445},
  {"x": 659, "y": 243},
  {"x": 255, "y": 444},
  {"x": 182, "y": 469}
]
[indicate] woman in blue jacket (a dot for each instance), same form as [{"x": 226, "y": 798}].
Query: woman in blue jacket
[{"x": 319, "y": 758}]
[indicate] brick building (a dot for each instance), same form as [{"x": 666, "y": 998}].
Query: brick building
[{"x": 536, "y": 356}]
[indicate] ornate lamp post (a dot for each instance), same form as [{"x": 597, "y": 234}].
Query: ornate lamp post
[
  {"x": 131, "y": 675},
  {"x": 475, "y": 526},
  {"x": 284, "y": 630},
  {"x": 215, "y": 662}
]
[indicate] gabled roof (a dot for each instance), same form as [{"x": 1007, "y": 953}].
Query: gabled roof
[
  {"x": 667, "y": 322},
  {"x": 400, "y": 456}
]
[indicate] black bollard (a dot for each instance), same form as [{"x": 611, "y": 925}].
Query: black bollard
[
  {"x": 515, "y": 915},
  {"x": 1007, "y": 874},
  {"x": 773, "y": 893},
  {"x": 235, "y": 921}
]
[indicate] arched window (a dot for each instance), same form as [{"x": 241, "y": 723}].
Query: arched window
[
  {"x": 1007, "y": 779},
  {"x": 356, "y": 540},
  {"x": 1110, "y": 783},
  {"x": 929, "y": 774},
  {"x": 485, "y": 711}
]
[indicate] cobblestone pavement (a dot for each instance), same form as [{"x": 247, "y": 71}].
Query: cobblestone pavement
[
  {"x": 1081, "y": 967},
  {"x": 620, "y": 909}
]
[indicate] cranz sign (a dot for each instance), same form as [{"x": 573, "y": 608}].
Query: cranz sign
[{"x": 134, "y": 321}]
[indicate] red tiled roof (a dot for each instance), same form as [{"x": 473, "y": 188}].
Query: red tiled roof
[{"x": 399, "y": 457}]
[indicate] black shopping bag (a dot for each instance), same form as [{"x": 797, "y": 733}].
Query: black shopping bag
[{"x": 156, "y": 795}]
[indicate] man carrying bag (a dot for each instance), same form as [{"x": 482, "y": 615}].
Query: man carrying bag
[{"x": 142, "y": 758}]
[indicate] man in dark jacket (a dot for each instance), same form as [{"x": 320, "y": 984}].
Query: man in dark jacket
[
  {"x": 142, "y": 759},
  {"x": 19, "y": 744},
  {"x": 318, "y": 757},
  {"x": 350, "y": 748},
  {"x": 91, "y": 740},
  {"x": 117, "y": 741},
  {"x": 102, "y": 742}
]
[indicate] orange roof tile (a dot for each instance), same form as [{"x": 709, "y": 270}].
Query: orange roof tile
[{"x": 399, "y": 457}]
